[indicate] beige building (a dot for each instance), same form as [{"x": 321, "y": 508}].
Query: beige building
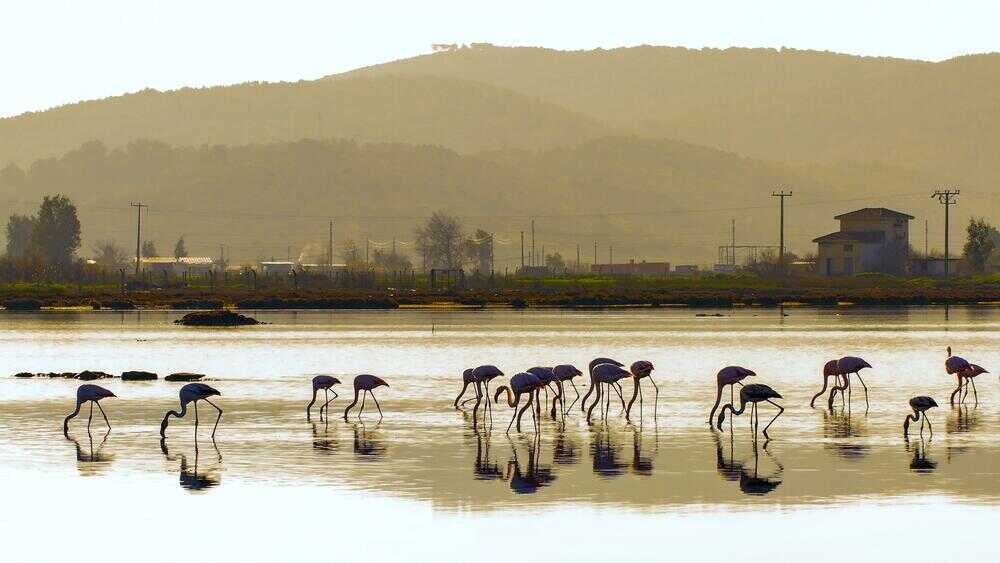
[{"x": 869, "y": 240}]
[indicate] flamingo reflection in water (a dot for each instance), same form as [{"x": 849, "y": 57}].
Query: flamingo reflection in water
[
  {"x": 91, "y": 460},
  {"x": 191, "y": 478},
  {"x": 368, "y": 445},
  {"x": 606, "y": 454},
  {"x": 920, "y": 463},
  {"x": 528, "y": 480},
  {"x": 485, "y": 469},
  {"x": 751, "y": 482},
  {"x": 323, "y": 441}
]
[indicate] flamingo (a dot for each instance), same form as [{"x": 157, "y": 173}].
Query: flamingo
[
  {"x": 548, "y": 377},
  {"x": 326, "y": 383},
  {"x": 594, "y": 363},
  {"x": 753, "y": 393},
  {"x": 467, "y": 379},
  {"x": 607, "y": 374},
  {"x": 520, "y": 384},
  {"x": 829, "y": 370},
  {"x": 969, "y": 376},
  {"x": 964, "y": 371},
  {"x": 483, "y": 375},
  {"x": 192, "y": 392},
  {"x": 920, "y": 405},
  {"x": 641, "y": 369},
  {"x": 846, "y": 366},
  {"x": 366, "y": 383},
  {"x": 729, "y": 375},
  {"x": 92, "y": 393},
  {"x": 566, "y": 372}
]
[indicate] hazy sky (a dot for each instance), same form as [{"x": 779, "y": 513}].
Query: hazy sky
[{"x": 54, "y": 52}]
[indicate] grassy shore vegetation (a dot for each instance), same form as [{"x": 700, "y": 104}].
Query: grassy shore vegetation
[{"x": 707, "y": 290}]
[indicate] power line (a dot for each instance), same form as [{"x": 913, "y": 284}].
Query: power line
[{"x": 947, "y": 198}]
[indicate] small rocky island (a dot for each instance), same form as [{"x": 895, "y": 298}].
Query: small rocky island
[{"x": 216, "y": 318}]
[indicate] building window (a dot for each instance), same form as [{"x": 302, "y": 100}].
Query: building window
[
  {"x": 848, "y": 266},
  {"x": 848, "y": 248}
]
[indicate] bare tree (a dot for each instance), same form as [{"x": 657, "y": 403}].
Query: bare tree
[{"x": 440, "y": 241}]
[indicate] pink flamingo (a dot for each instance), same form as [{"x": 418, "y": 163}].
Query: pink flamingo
[
  {"x": 606, "y": 374},
  {"x": 964, "y": 371},
  {"x": 483, "y": 375},
  {"x": 641, "y": 369},
  {"x": 969, "y": 376},
  {"x": 729, "y": 375},
  {"x": 366, "y": 383},
  {"x": 846, "y": 366},
  {"x": 829, "y": 370},
  {"x": 93, "y": 394},
  {"x": 520, "y": 384},
  {"x": 467, "y": 379},
  {"x": 594, "y": 363},
  {"x": 192, "y": 393},
  {"x": 920, "y": 405},
  {"x": 566, "y": 372},
  {"x": 753, "y": 393},
  {"x": 326, "y": 383},
  {"x": 548, "y": 377}
]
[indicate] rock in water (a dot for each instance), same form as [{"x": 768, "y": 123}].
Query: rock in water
[
  {"x": 24, "y": 374},
  {"x": 184, "y": 376},
  {"x": 22, "y": 304},
  {"x": 138, "y": 376},
  {"x": 88, "y": 375},
  {"x": 216, "y": 318}
]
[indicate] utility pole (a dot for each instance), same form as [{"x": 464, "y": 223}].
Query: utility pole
[
  {"x": 781, "y": 245},
  {"x": 611, "y": 257},
  {"x": 533, "y": 257},
  {"x": 522, "y": 250},
  {"x": 947, "y": 198},
  {"x": 138, "y": 232},
  {"x": 595, "y": 252},
  {"x": 926, "y": 232},
  {"x": 578, "y": 258},
  {"x": 367, "y": 242},
  {"x": 732, "y": 254},
  {"x": 492, "y": 250}
]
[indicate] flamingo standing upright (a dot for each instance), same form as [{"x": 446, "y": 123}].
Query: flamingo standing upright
[
  {"x": 753, "y": 393},
  {"x": 845, "y": 367},
  {"x": 192, "y": 392},
  {"x": 366, "y": 383},
  {"x": 326, "y": 383},
  {"x": 963, "y": 371},
  {"x": 606, "y": 374},
  {"x": 566, "y": 372},
  {"x": 729, "y": 375},
  {"x": 829, "y": 370},
  {"x": 590, "y": 367},
  {"x": 520, "y": 384},
  {"x": 641, "y": 369},
  {"x": 920, "y": 405},
  {"x": 93, "y": 394}
]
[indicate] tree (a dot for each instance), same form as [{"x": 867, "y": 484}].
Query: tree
[
  {"x": 351, "y": 255},
  {"x": 180, "y": 251},
  {"x": 555, "y": 263},
  {"x": 56, "y": 234},
  {"x": 391, "y": 261},
  {"x": 19, "y": 233},
  {"x": 979, "y": 245},
  {"x": 479, "y": 250},
  {"x": 107, "y": 253},
  {"x": 439, "y": 240},
  {"x": 149, "y": 249}
]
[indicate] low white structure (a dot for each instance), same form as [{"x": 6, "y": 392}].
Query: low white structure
[{"x": 191, "y": 265}]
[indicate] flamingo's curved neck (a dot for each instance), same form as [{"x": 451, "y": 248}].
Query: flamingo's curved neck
[
  {"x": 166, "y": 417},
  {"x": 71, "y": 416},
  {"x": 510, "y": 396}
]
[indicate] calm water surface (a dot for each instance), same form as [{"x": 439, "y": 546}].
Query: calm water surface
[{"x": 425, "y": 484}]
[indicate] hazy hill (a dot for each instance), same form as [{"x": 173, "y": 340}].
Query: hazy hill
[
  {"x": 651, "y": 199},
  {"x": 459, "y": 114},
  {"x": 784, "y": 105}
]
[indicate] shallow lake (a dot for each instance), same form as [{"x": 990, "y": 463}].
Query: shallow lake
[{"x": 426, "y": 483}]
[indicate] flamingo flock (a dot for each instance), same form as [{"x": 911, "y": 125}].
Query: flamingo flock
[{"x": 524, "y": 392}]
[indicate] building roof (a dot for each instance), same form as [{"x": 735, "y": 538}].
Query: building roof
[
  {"x": 277, "y": 263},
  {"x": 873, "y": 213},
  {"x": 853, "y": 236},
  {"x": 186, "y": 260}
]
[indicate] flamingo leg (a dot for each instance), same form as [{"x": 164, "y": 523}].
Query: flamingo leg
[
  {"x": 516, "y": 401},
  {"x": 929, "y": 427},
  {"x": 196, "y": 420},
  {"x": 590, "y": 411},
  {"x": 91, "y": 415},
  {"x": 956, "y": 391},
  {"x": 618, "y": 388},
  {"x": 975, "y": 395},
  {"x": 867, "y": 405},
  {"x": 217, "y": 418},
  {"x": 479, "y": 400},
  {"x": 575, "y": 390},
  {"x": 364, "y": 397},
  {"x": 781, "y": 409},
  {"x": 380, "y": 408},
  {"x": 326, "y": 405},
  {"x": 104, "y": 415},
  {"x": 656, "y": 396},
  {"x": 526, "y": 406}
]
